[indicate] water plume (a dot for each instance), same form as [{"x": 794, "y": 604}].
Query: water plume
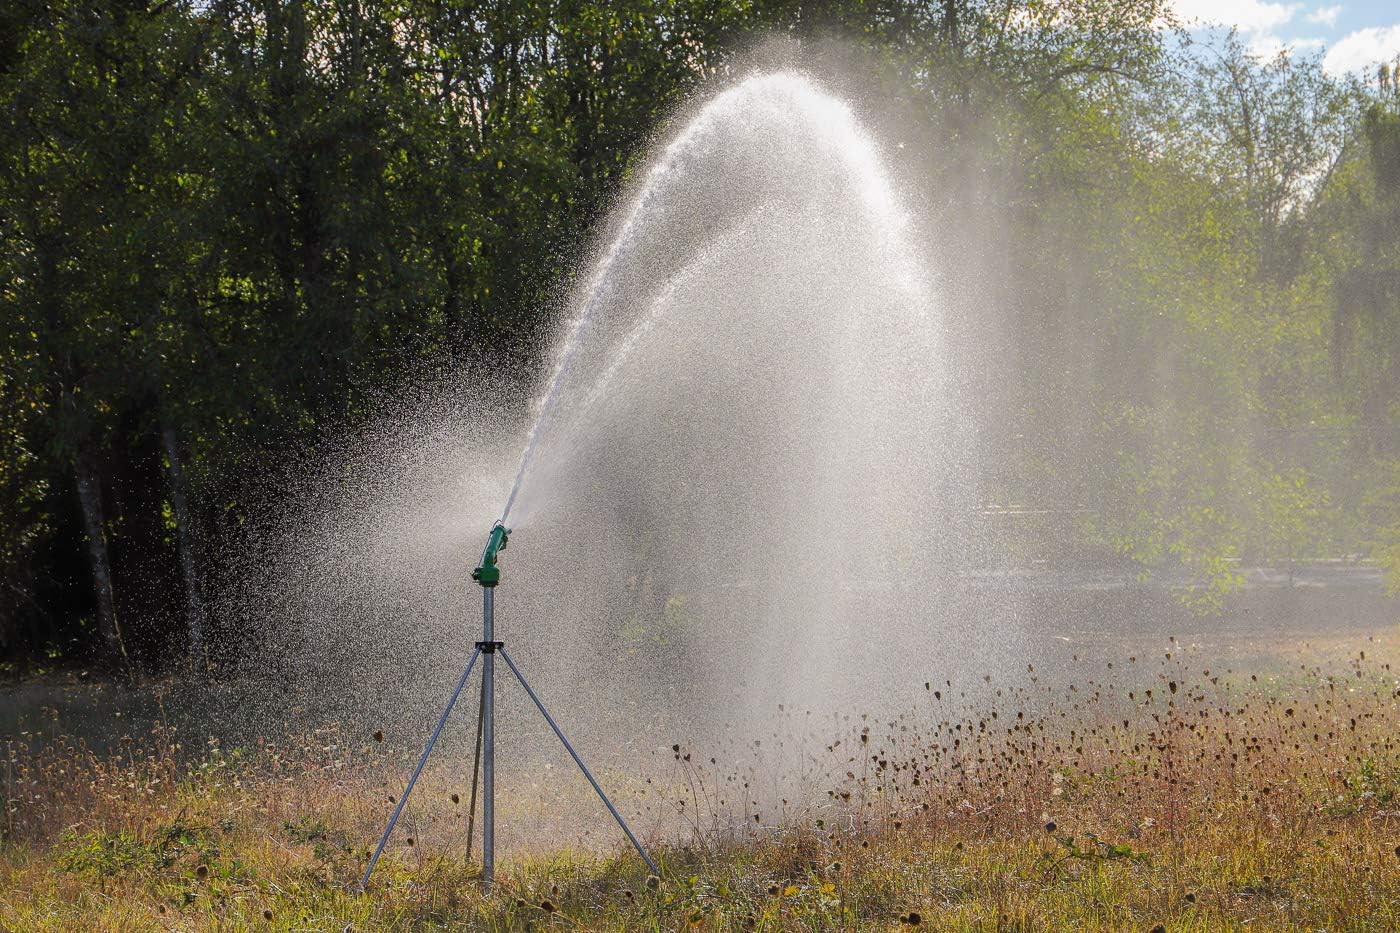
[
  {"x": 745, "y": 476},
  {"x": 751, "y": 419}
]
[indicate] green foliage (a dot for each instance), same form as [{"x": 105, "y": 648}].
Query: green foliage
[
  {"x": 1293, "y": 516},
  {"x": 305, "y": 830},
  {"x": 23, "y": 487},
  {"x": 1096, "y": 852},
  {"x": 1375, "y": 781},
  {"x": 236, "y": 224},
  {"x": 110, "y": 854},
  {"x": 1383, "y": 502},
  {"x": 1218, "y": 429}
]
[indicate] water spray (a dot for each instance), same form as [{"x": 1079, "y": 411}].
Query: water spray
[
  {"x": 813, "y": 194},
  {"x": 487, "y": 575}
]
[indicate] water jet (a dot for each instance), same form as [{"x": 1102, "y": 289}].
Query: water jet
[{"x": 754, "y": 356}]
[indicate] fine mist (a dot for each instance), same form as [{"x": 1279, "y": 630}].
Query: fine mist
[
  {"x": 749, "y": 489},
  {"x": 714, "y": 481},
  {"x": 749, "y": 480}
]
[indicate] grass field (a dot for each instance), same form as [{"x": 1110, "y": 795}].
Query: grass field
[{"x": 1158, "y": 793}]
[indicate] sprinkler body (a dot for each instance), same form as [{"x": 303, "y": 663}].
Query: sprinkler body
[{"x": 487, "y": 573}]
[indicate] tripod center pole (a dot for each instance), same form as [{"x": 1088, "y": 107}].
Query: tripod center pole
[
  {"x": 488, "y": 741},
  {"x": 488, "y": 575}
]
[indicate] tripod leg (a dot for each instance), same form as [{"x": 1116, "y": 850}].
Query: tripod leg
[
  {"x": 579, "y": 761},
  {"x": 476, "y": 772},
  {"x": 403, "y": 798}
]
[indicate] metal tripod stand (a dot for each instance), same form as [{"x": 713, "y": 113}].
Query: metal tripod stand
[{"x": 488, "y": 575}]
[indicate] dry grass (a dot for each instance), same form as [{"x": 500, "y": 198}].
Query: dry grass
[{"x": 1161, "y": 792}]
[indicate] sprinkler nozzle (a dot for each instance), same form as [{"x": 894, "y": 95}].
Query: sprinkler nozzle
[{"x": 486, "y": 572}]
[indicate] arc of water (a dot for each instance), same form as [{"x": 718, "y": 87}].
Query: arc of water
[
  {"x": 656, "y": 309},
  {"x": 855, "y": 148},
  {"x": 579, "y": 326}
]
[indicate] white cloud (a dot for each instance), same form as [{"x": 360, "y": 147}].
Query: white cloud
[
  {"x": 1362, "y": 49},
  {"x": 1326, "y": 16},
  {"x": 1268, "y": 45},
  {"x": 1250, "y": 16}
]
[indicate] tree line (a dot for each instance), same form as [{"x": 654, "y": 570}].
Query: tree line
[{"x": 226, "y": 226}]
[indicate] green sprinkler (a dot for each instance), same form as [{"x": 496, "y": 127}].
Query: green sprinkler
[
  {"x": 486, "y": 572},
  {"x": 488, "y": 575}
]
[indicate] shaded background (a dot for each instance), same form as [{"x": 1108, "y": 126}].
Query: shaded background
[{"x": 239, "y": 239}]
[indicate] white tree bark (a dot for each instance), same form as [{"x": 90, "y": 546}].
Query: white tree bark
[
  {"x": 184, "y": 545},
  {"x": 94, "y": 524}
]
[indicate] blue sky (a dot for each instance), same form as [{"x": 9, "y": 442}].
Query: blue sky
[{"x": 1351, "y": 34}]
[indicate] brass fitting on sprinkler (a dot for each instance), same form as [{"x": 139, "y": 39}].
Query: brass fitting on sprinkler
[{"x": 487, "y": 573}]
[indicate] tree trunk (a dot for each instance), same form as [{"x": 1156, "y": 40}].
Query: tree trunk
[
  {"x": 952, "y": 29},
  {"x": 94, "y": 524},
  {"x": 184, "y": 545}
]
